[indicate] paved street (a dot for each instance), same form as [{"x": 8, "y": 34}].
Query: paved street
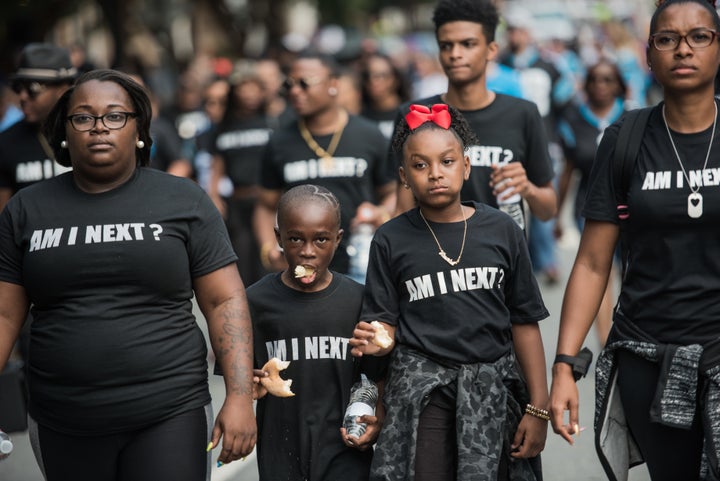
[{"x": 561, "y": 462}]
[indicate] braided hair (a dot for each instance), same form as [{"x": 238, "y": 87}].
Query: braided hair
[{"x": 304, "y": 194}]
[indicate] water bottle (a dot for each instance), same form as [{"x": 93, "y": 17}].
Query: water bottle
[
  {"x": 358, "y": 250},
  {"x": 363, "y": 398},
  {"x": 6, "y": 446},
  {"x": 512, "y": 206}
]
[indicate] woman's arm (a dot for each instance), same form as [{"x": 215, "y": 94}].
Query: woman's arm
[
  {"x": 583, "y": 294},
  {"x": 14, "y": 307},
  {"x": 221, "y": 297}
]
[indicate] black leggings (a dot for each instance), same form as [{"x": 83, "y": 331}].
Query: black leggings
[
  {"x": 671, "y": 454},
  {"x": 436, "y": 449},
  {"x": 172, "y": 450}
]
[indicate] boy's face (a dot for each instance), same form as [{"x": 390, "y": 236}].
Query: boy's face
[
  {"x": 464, "y": 51},
  {"x": 309, "y": 234}
]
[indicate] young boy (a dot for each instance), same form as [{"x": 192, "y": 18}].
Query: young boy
[{"x": 306, "y": 315}]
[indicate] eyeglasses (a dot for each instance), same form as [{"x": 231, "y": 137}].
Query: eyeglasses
[
  {"x": 111, "y": 120},
  {"x": 32, "y": 88},
  {"x": 696, "y": 38},
  {"x": 303, "y": 83}
]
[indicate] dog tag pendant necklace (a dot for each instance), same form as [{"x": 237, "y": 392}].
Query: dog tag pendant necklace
[{"x": 695, "y": 199}]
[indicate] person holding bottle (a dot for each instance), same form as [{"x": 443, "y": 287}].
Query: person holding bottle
[{"x": 451, "y": 282}]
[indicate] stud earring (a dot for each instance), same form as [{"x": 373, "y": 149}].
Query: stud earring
[
  {"x": 406, "y": 185},
  {"x": 332, "y": 91},
  {"x": 63, "y": 144},
  {"x": 140, "y": 144}
]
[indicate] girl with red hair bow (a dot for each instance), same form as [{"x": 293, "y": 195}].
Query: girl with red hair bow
[{"x": 452, "y": 284}]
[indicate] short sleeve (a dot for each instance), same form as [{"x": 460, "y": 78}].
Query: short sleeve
[
  {"x": 380, "y": 302},
  {"x": 209, "y": 245},
  {"x": 537, "y": 163},
  {"x": 522, "y": 293},
  {"x": 600, "y": 199}
]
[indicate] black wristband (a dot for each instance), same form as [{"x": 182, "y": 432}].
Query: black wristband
[{"x": 579, "y": 363}]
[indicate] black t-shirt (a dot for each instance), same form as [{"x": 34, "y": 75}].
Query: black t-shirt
[
  {"x": 167, "y": 145},
  {"x": 461, "y": 313},
  {"x": 241, "y": 145},
  {"x": 299, "y": 437},
  {"x": 672, "y": 281},
  {"x": 22, "y": 158},
  {"x": 114, "y": 344},
  {"x": 385, "y": 119},
  {"x": 580, "y": 134},
  {"x": 357, "y": 169},
  {"x": 508, "y": 130}
]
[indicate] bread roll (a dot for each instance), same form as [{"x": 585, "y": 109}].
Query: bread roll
[
  {"x": 274, "y": 384},
  {"x": 381, "y": 338}
]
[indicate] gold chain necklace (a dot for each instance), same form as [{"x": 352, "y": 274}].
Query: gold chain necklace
[
  {"x": 442, "y": 253},
  {"x": 315, "y": 147}
]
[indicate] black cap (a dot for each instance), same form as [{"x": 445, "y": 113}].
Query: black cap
[{"x": 44, "y": 62}]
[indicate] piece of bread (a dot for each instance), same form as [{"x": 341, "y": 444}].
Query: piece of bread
[
  {"x": 274, "y": 384},
  {"x": 381, "y": 338},
  {"x": 302, "y": 271}
]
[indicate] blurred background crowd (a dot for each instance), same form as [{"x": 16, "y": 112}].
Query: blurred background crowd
[{"x": 215, "y": 70}]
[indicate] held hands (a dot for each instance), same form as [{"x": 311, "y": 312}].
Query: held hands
[
  {"x": 511, "y": 175},
  {"x": 363, "y": 340},
  {"x": 367, "y": 440},
  {"x": 564, "y": 397}
]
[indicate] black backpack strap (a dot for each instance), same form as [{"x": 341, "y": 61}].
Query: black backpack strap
[{"x": 626, "y": 151}]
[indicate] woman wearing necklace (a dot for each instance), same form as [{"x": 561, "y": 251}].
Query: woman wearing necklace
[
  {"x": 452, "y": 283},
  {"x": 656, "y": 378},
  {"x": 326, "y": 146}
]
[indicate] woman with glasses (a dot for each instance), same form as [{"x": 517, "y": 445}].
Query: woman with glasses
[
  {"x": 384, "y": 89},
  {"x": 581, "y": 128},
  {"x": 108, "y": 258},
  {"x": 657, "y": 382}
]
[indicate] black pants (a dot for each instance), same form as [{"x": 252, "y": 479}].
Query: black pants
[
  {"x": 436, "y": 450},
  {"x": 172, "y": 450},
  {"x": 671, "y": 454}
]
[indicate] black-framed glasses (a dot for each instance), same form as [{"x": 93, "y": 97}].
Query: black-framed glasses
[
  {"x": 304, "y": 83},
  {"x": 111, "y": 120},
  {"x": 31, "y": 87},
  {"x": 695, "y": 38}
]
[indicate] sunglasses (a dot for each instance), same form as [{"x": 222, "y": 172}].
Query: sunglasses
[
  {"x": 32, "y": 88},
  {"x": 303, "y": 83}
]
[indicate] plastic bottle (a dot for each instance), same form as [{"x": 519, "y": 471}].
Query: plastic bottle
[
  {"x": 363, "y": 398},
  {"x": 358, "y": 250},
  {"x": 512, "y": 207},
  {"x": 6, "y": 445}
]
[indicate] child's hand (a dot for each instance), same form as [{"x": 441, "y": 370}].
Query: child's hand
[
  {"x": 530, "y": 437},
  {"x": 367, "y": 440},
  {"x": 259, "y": 390},
  {"x": 362, "y": 340}
]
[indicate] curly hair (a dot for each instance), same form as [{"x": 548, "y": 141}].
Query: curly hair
[
  {"x": 458, "y": 126},
  {"x": 662, "y": 5},
  {"x": 55, "y": 125},
  {"x": 483, "y": 12}
]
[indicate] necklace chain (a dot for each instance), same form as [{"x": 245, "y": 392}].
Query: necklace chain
[
  {"x": 677, "y": 155},
  {"x": 442, "y": 253},
  {"x": 314, "y": 146}
]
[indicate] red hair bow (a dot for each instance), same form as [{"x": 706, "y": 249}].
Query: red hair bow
[{"x": 437, "y": 114}]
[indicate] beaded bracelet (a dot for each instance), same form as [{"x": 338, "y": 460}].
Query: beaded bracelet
[{"x": 537, "y": 412}]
